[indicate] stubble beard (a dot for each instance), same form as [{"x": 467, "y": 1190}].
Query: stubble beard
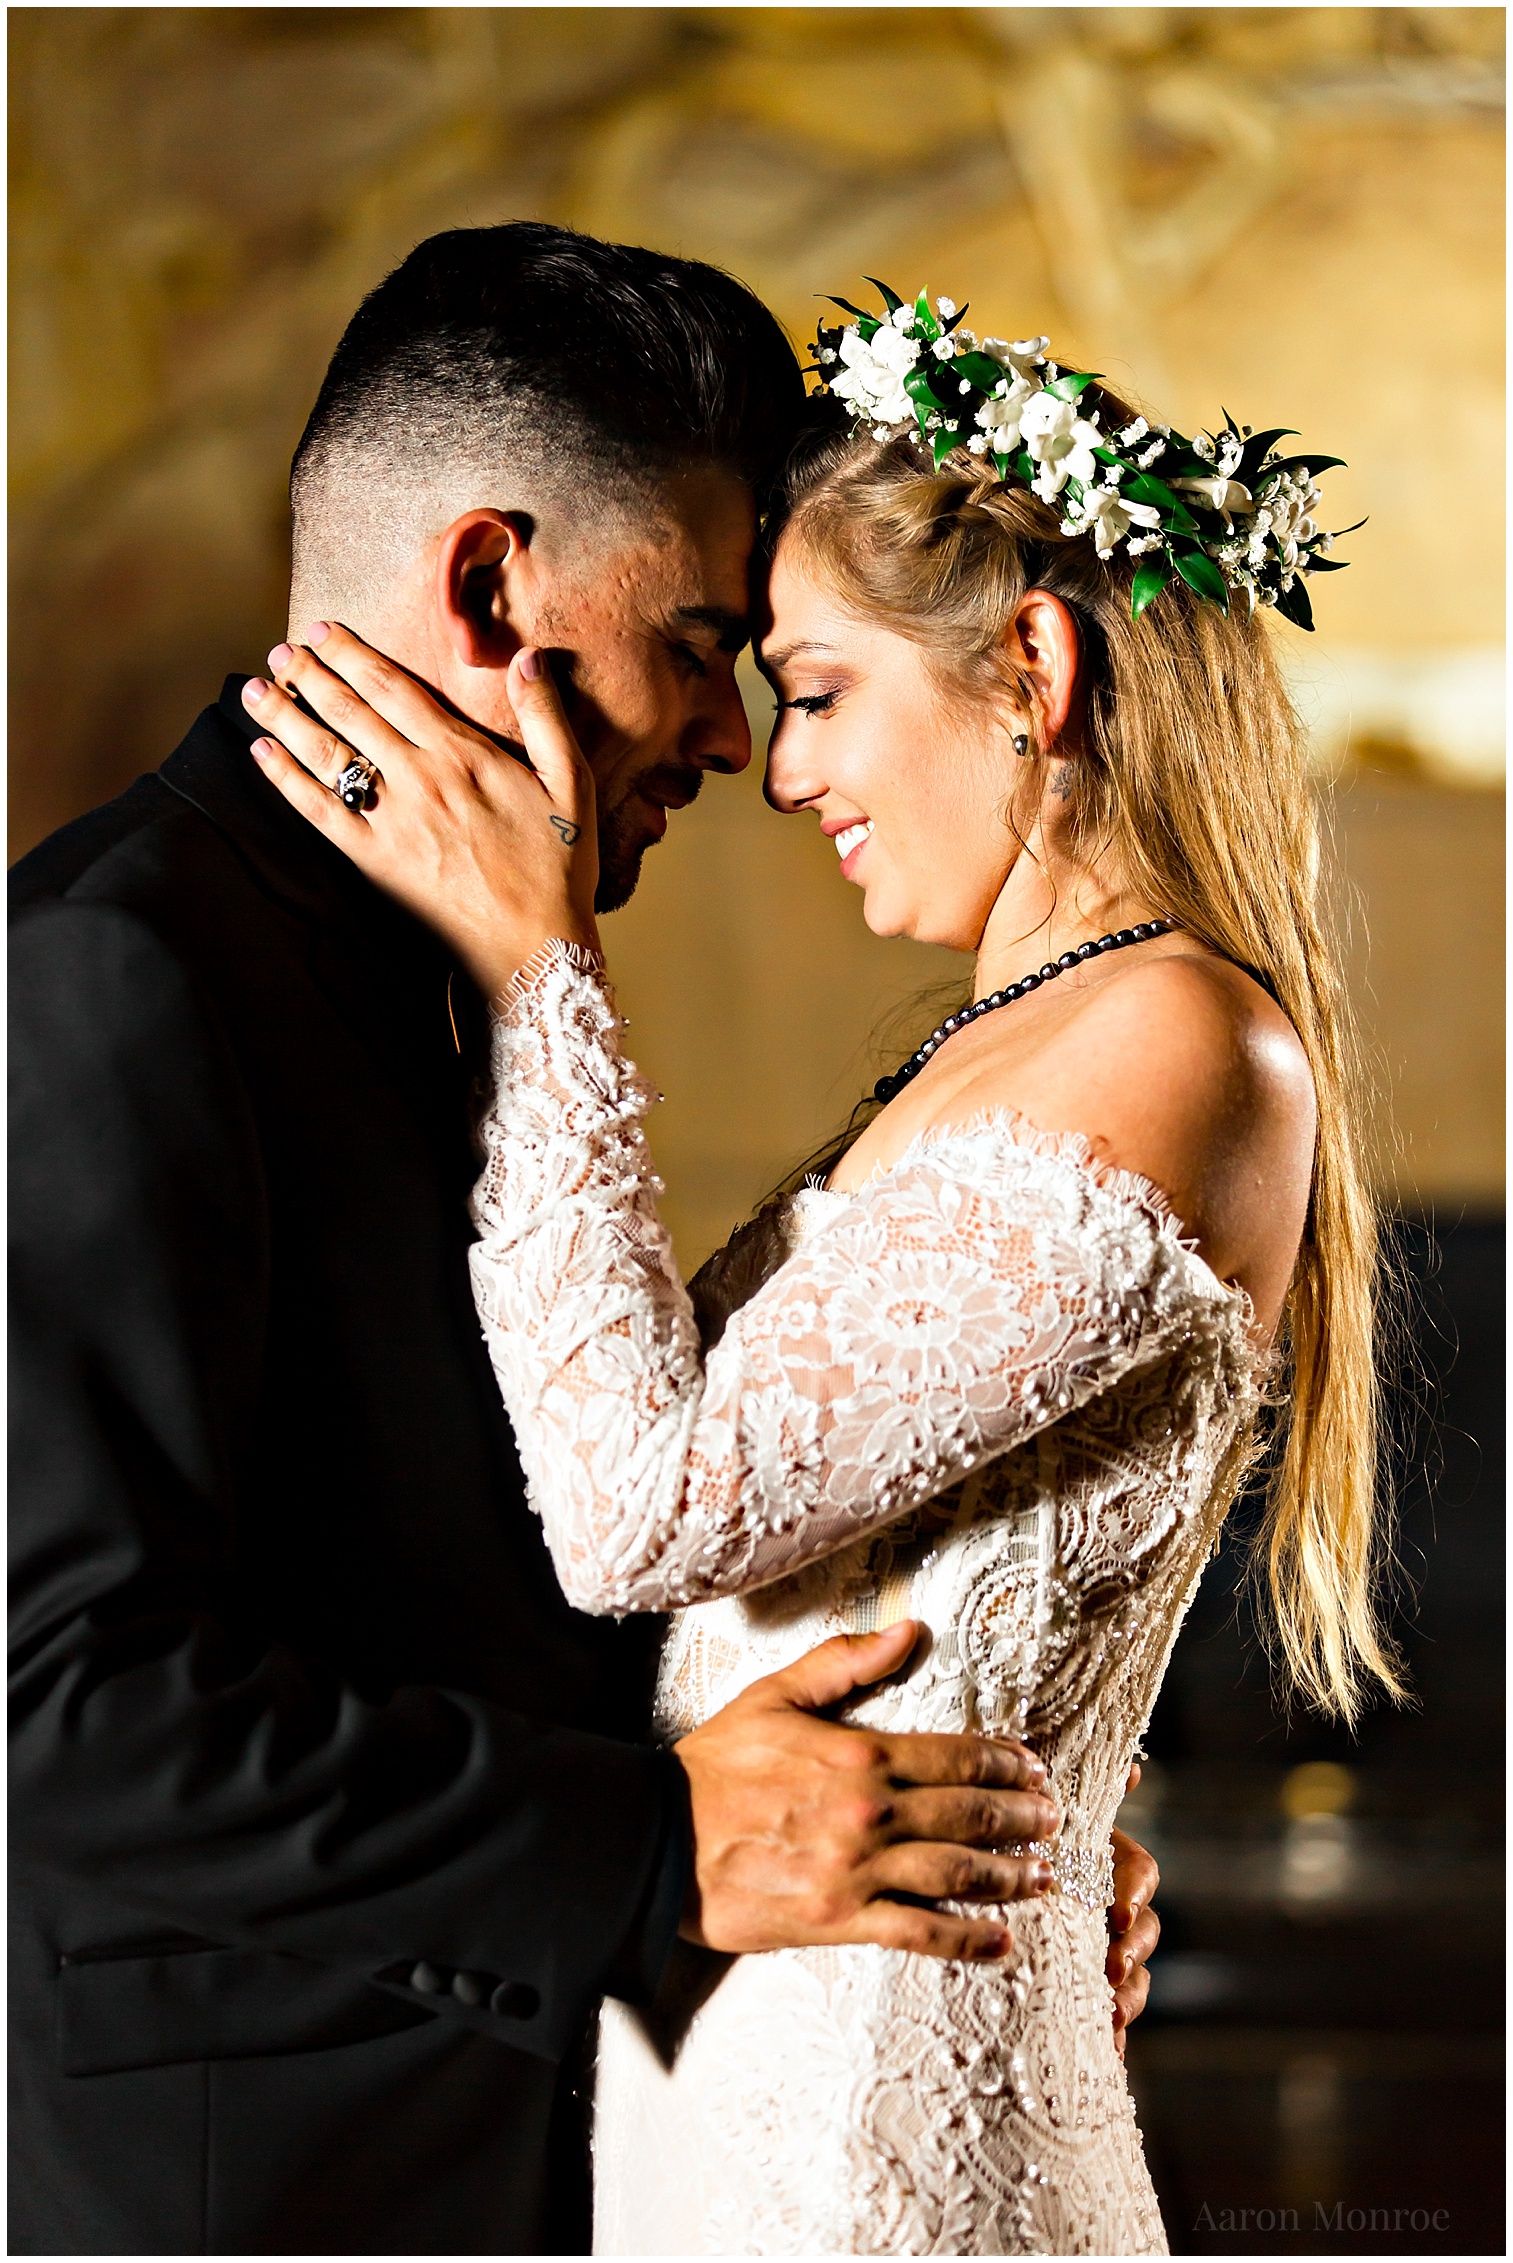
[{"x": 623, "y": 844}]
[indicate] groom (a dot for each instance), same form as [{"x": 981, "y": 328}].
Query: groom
[{"x": 331, "y": 1821}]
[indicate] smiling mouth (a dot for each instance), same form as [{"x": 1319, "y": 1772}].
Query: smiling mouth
[{"x": 852, "y": 838}]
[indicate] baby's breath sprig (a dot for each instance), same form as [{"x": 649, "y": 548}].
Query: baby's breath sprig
[{"x": 1224, "y": 511}]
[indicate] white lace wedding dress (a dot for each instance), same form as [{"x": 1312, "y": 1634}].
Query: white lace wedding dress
[{"x": 994, "y": 1391}]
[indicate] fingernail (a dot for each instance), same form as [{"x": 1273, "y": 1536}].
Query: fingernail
[
  {"x": 318, "y": 632},
  {"x": 253, "y": 690},
  {"x": 1040, "y": 1876},
  {"x": 280, "y": 657},
  {"x": 530, "y": 664},
  {"x": 993, "y": 1944},
  {"x": 263, "y": 749},
  {"x": 1050, "y": 1822}
]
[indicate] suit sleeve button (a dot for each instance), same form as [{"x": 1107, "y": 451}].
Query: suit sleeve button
[
  {"x": 472, "y": 1988},
  {"x": 428, "y": 1979},
  {"x": 515, "y": 1999}
]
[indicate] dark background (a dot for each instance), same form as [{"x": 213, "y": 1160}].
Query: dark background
[{"x": 1325, "y": 2022}]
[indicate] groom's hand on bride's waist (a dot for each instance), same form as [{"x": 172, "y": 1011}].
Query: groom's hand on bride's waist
[{"x": 806, "y": 1831}]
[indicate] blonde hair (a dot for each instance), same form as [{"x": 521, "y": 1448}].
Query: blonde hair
[{"x": 1195, "y": 782}]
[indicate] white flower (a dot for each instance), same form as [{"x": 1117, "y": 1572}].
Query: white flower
[
  {"x": 1230, "y": 449},
  {"x": 945, "y": 308},
  {"x": 1204, "y": 447},
  {"x": 978, "y": 443},
  {"x": 873, "y": 377},
  {"x": 1111, "y": 516},
  {"x": 1023, "y": 356},
  {"x": 965, "y": 386},
  {"x": 944, "y": 349},
  {"x": 1283, "y": 514},
  {"x": 1133, "y": 432},
  {"x": 1061, "y": 443},
  {"x": 1221, "y": 495},
  {"x": 1001, "y": 417},
  {"x": 902, "y": 317}
]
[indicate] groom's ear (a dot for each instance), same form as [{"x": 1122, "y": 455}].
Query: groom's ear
[{"x": 483, "y": 567}]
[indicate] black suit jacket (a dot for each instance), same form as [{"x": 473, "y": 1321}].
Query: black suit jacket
[{"x": 328, "y": 1822}]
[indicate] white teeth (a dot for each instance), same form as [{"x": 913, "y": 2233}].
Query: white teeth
[{"x": 852, "y": 838}]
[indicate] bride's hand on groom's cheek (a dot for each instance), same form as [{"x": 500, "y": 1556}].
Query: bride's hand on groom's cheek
[
  {"x": 808, "y": 1832},
  {"x": 498, "y": 855}
]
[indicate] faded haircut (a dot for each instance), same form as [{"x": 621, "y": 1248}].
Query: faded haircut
[{"x": 528, "y": 364}]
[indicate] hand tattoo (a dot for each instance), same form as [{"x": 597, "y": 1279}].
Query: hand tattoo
[{"x": 566, "y": 827}]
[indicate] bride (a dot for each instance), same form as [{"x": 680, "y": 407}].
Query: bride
[{"x": 997, "y": 1366}]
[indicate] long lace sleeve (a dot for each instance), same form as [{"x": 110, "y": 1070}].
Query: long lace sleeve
[{"x": 962, "y": 1303}]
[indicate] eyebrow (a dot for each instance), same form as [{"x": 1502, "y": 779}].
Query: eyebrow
[
  {"x": 733, "y": 630},
  {"x": 775, "y": 660}
]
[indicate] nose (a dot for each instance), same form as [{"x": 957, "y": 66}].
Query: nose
[
  {"x": 792, "y": 781},
  {"x": 720, "y": 738}
]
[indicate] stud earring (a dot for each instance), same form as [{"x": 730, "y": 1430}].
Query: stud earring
[{"x": 1021, "y": 744}]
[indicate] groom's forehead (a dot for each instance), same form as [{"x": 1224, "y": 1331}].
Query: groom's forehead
[{"x": 694, "y": 571}]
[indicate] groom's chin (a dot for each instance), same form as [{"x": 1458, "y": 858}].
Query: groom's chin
[{"x": 619, "y": 871}]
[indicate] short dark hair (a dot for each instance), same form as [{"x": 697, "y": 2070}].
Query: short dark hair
[{"x": 582, "y": 355}]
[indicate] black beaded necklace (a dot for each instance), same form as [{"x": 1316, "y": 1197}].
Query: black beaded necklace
[{"x": 887, "y": 1087}]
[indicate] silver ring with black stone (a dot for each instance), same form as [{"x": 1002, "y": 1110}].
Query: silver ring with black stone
[{"x": 358, "y": 784}]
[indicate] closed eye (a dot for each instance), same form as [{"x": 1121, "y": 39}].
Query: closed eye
[
  {"x": 693, "y": 661},
  {"x": 815, "y": 703}
]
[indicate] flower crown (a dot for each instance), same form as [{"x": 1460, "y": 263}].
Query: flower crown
[{"x": 1224, "y": 511}]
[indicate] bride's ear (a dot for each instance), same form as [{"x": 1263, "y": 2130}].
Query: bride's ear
[
  {"x": 1044, "y": 646},
  {"x": 483, "y": 561}
]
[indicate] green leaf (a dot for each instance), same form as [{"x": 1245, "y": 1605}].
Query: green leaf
[
  {"x": 1006, "y": 464},
  {"x": 978, "y": 369},
  {"x": 921, "y": 388},
  {"x": 1293, "y": 605},
  {"x": 1310, "y": 464},
  {"x": 1154, "y": 573},
  {"x": 1144, "y": 488},
  {"x": 1176, "y": 518},
  {"x": 1326, "y": 565},
  {"x": 1067, "y": 388},
  {"x": 846, "y": 303},
  {"x": 1203, "y": 577},
  {"x": 959, "y": 316},
  {"x": 1339, "y": 532},
  {"x": 891, "y": 299},
  {"x": 924, "y": 315},
  {"x": 943, "y": 442},
  {"x": 1253, "y": 455}
]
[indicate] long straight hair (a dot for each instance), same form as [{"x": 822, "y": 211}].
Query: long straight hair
[{"x": 1195, "y": 784}]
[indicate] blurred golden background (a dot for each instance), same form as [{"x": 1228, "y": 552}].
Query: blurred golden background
[{"x": 1291, "y": 212}]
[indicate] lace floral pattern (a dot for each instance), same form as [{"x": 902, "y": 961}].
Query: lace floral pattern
[{"x": 994, "y": 1391}]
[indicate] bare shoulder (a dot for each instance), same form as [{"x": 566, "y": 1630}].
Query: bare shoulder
[
  {"x": 1183, "y": 1069},
  {"x": 1191, "y": 1034}
]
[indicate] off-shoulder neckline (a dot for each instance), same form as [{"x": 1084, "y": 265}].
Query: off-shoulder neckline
[{"x": 1016, "y": 1130}]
